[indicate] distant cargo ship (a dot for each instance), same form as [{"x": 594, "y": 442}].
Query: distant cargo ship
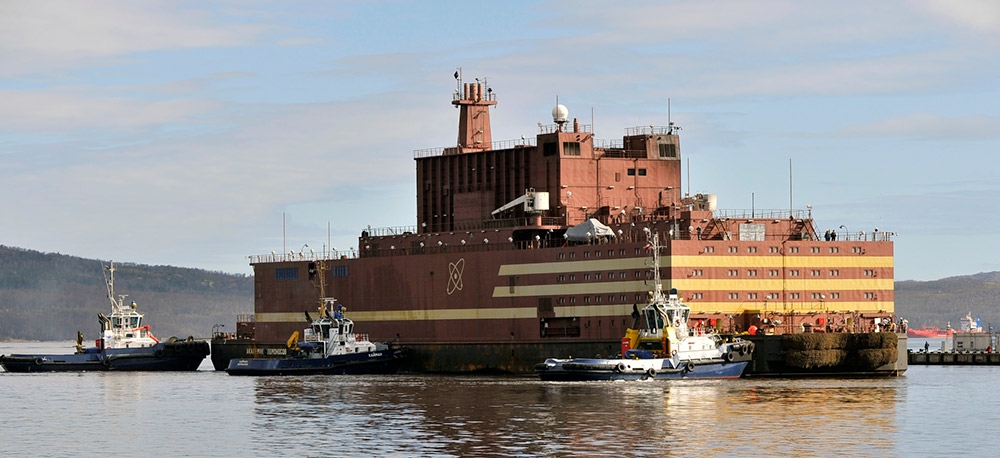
[
  {"x": 929, "y": 332},
  {"x": 534, "y": 248}
]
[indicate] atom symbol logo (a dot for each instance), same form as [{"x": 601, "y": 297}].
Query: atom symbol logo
[{"x": 455, "y": 275}]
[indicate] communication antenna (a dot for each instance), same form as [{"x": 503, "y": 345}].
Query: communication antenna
[
  {"x": 689, "y": 176},
  {"x": 791, "y": 208}
]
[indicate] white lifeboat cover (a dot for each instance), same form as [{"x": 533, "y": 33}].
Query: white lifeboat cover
[{"x": 592, "y": 226}]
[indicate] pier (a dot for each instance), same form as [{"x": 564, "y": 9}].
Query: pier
[{"x": 953, "y": 358}]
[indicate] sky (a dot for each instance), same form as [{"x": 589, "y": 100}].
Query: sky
[{"x": 198, "y": 133}]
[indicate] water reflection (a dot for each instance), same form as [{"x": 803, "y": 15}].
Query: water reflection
[{"x": 474, "y": 416}]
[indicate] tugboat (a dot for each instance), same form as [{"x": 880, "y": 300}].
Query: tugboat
[
  {"x": 664, "y": 348},
  {"x": 329, "y": 346},
  {"x": 126, "y": 344}
]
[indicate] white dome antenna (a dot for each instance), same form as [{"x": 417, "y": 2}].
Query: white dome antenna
[{"x": 560, "y": 114}]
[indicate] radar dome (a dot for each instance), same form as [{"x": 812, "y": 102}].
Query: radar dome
[{"x": 560, "y": 114}]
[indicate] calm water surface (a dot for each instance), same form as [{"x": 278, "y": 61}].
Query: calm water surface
[{"x": 929, "y": 411}]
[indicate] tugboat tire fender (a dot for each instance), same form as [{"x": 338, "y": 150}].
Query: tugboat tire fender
[
  {"x": 651, "y": 373},
  {"x": 730, "y": 356},
  {"x": 38, "y": 361},
  {"x": 106, "y": 361},
  {"x": 620, "y": 367},
  {"x": 158, "y": 353},
  {"x": 689, "y": 366}
]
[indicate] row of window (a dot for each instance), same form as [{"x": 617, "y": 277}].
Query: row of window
[
  {"x": 791, "y": 296},
  {"x": 701, "y": 273},
  {"x": 292, "y": 273},
  {"x": 774, "y": 249},
  {"x": 597, "y": 299},
  {"x": 623, "y": 298},
  {"x": 708, "y": 249},
  {"x": 777, "y": 273},
  {"x": 595, "y": 253},
  {"x": 598, "y": 275}
]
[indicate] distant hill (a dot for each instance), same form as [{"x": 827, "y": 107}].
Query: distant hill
[
  {"x": 939, "y": 302},
  {"x": 46, "y": 296}
]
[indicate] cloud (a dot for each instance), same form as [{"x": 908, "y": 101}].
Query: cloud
[
  {"x": 62, "y": 110},
  {"x": 979, "y": 15},
  {"x": 929, "y": 126},
  {"x": 59, "y": 35}
]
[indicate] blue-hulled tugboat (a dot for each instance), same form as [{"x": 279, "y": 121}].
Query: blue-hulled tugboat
[
  {"x": 329, "y": 346},
  {"x": 126, "y": 344},
  {"x": 659, "y": 345}
]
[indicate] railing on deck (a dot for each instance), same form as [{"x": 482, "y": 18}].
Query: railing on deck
[{"x": 480, "y": 235}]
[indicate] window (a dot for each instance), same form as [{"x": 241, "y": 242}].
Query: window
[
  {"x": 667, "y": 150},
  {"x": 571, "y": 149},
  {"x": 751, "y": 249},
  {"x": 549, "y": 149},
  {"x": 286, "y": 273},
  {"x": 834, "y": 273},
  {"x": 793, "y": 273},
  {"x": 793, "y": 249},
  {"x": 752, "y": 296},
  {"x": 710, "y": 249},
  {"x": 814, "y": 249},
  {"x": 752, "y": 273},
  {"x": 339, "y": 271},
  {"x": 815, "y": 273},
  {"x": 733, "y": 249},
  {"x": 773, "y": 249},
  {"x": 734, "y": 295},
  {"x": 734, "y": 273},
  {"x": 834, "y": 249},
  {"x": 774, "y": 272},
  {"x": 634, "y": 172}
]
